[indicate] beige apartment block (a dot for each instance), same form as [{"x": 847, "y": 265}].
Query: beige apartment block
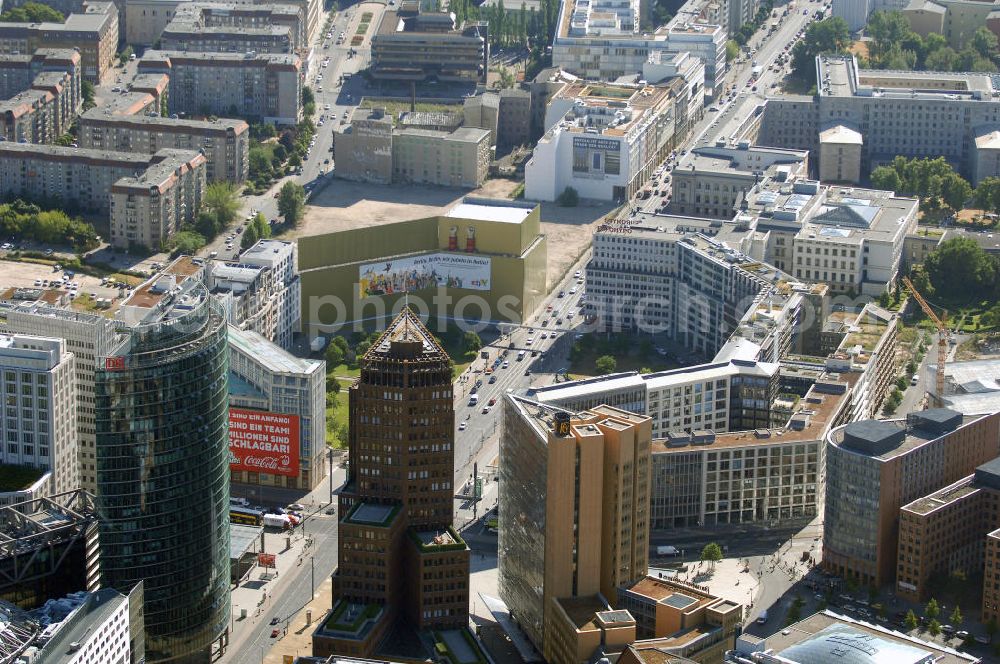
[
  {"x": 224, "y": 142},
  {"x": 93, "y": 32},
  {"x": 262, "y": 87},
  {"x": 457, "y": 159}
]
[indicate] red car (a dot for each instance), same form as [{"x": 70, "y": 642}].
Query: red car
[
  {"x": 492, "y": 402},
  {"x": 274, "y": 633}
]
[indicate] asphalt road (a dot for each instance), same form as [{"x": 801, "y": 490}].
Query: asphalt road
[
  {"x": 479, "y": 441},
  {"x": 332, "y": 101},
  {"x": 732, "y": 111},
  {"x": 292, "y": 590}
]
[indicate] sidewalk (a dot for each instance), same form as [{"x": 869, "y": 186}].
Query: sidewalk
[
  {"x": 259, "y": 584},
  {"x": 297, "y": 641}
]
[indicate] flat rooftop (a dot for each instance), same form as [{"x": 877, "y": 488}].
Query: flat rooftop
[
  {"x": 582, "y": 610},
  {"x": 963, "y": 488},
  {"x": 269, "y": 355},
  {"x": 841, "y": 77},
  {"x": 372, "y": 513},
  {"x": 887, "y": 439},
  {"x": 483, "y": 209}
]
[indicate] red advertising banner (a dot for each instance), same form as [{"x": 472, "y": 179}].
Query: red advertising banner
[
  {"x": 266, "y": 560},
  {"x": 262, "y": 442}
]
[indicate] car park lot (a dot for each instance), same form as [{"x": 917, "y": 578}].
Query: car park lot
[{"x": 14, "y": 274}]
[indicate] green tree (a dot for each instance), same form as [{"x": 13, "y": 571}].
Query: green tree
[
  {"x": 185, "y": 243},
  {"x": 887, "y": 29},
  {"x": 250, "y": 236},
  {"x": 988, "y": 194},
  {"x": 711, "y": 553},
  {"x": 87, "y": 94},
  {"x": 732, "y": 50},
  {"x": 362, "y": 348},
  {"x": 292, "y": 202},
  {"x": 471, "y": 342},
  {"x": 956, "y": 617},
  {"x": 334, "y": 356},
  {"x": 569, "y": 198},
  {"x": 911, "y": 620},
  {"x": 220, "y": 200},
  {"x": 605, "y": 364},
  {"x": 259, "y": 164},
  {"x": 831, "y": 36},
  {"x": 886, "y": 178},
  {"x": 932, "y": 610},
  {"x": 942, "y": 59},
  {"x": 984, "y": 43},
  {"x": 960, "y": 269},
  {"x": 934, "y": 627},
  {"x": 33, "y": 12},
  {"x": 261, "y": 228}
]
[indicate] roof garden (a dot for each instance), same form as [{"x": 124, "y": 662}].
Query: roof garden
[
  {"x": 433, "y": 541},
  {"x": 18, "y": 478},
  {"x": 351, "y": 619}
]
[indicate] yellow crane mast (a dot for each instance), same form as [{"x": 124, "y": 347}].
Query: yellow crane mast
[{"x": 942, "y": 336}]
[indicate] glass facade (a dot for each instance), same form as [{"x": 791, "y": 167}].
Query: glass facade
[
  {"x": 163, "y": 477},
  {"x": 521, "y": 543}
]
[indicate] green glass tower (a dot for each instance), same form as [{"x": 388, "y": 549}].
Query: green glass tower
[{"x": 161, "y": 403}]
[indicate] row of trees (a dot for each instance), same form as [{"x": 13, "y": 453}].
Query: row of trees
[
  {"x": 932, "y": 612},
  {"x": 894, "y": 45},
  {"x": 25, "y": 220},
  {"x": 512, "y": 27},
  {"x": 747, "y": 30},
  {"x": 269, "y": 159},
  {"x": 935, "y": 181},
  {"x": 33, "y": 12}
]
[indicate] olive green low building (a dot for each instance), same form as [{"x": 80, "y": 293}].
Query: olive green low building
[{"x": 482, "y": 261}]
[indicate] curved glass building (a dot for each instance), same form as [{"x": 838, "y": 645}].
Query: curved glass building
[{"x": 161, "y": 404}]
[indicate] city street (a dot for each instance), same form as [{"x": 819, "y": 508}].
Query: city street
[
  {"x": 289, "y": 592},
  {"x": 344, "y": 60},
  {"x": 732, "y": 112}
]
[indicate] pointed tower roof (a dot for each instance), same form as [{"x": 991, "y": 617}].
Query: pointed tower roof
[{"x": 407, "y": 337}]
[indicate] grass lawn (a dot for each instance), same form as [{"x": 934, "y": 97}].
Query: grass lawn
[
  {"x": 344, "y": 370},
  {"x": 583, "y": 363},
  {"x": 336, "y": 416}
]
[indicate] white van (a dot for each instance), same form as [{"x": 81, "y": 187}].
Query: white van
[
  {"x": 473, "y": 399},
  {"x": 520, "y": 355}
]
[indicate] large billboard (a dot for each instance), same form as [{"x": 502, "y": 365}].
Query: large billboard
[
  {"x": 428, "y": 271},
  {"x": 262, "y": 442}
]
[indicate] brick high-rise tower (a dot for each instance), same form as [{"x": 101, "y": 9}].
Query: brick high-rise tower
[{"x": 402, "y": 565}]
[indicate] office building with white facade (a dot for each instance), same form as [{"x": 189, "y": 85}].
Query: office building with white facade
[
  {"x": 262, "y": 291},
  {"x": 601, "y": 40},
  {"x": 88, "y": 337},
  {"x": 38, "y": 411},
  {"x": 605, "y": 141},
  {"x": 707, "y": 478},
  {"x": 267, "y": 378}
]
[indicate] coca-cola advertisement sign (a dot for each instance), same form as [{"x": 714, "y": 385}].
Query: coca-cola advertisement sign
[{"x": 262, "y": 442}]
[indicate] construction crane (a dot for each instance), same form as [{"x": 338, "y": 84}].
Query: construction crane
[{"x": 942, "y": 337}]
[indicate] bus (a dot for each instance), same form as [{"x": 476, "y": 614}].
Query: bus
[{"x": 245, "y": 516}]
